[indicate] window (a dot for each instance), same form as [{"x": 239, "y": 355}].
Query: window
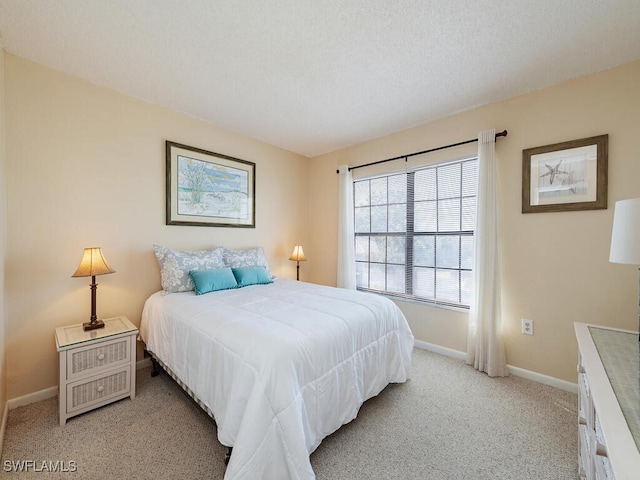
[{"x": 414, "y": 233}]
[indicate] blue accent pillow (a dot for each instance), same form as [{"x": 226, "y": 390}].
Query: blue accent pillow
[
  {"x": 207, "y": 281},
  {"x": 246, "y": 276}
]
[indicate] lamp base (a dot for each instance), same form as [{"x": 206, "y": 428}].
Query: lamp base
[{"x": 93, "y": 325}]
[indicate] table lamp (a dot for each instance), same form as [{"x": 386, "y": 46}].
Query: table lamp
[
  {"x": 298, "y": 256},
  {"x": 625, "y": 238},
  {"x": 93, "y": 263}
]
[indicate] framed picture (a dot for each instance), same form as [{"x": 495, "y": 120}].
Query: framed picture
[
  {"x": 209, "y": 189},
  {"x": 565, "y": 176}
]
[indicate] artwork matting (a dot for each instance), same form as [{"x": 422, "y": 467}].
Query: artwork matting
[
  {"x": 565, "y": 176},
  {"x": 208, "y": 189}
]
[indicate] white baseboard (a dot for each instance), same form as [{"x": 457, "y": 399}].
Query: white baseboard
[
  {"x": 3, "y": 425},
  {"x": 545, "y": 379},
  {"x": 32, "y": 397},
  {"x": 447, "y": 352},
  {"x": 517, "y": 371}
]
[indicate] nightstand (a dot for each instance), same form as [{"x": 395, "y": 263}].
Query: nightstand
[{"x": 97, "y": 367}]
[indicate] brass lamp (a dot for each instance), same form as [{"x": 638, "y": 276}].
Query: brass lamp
[
  {"x": 93, "y": 263},
  {"x": 298, "y": 256}
]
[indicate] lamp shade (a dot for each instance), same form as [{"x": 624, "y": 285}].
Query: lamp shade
[
  {"x": 92, "y": 263},
  {"x": 625, "y": 235},
  {"x": 298, "y": 254}
]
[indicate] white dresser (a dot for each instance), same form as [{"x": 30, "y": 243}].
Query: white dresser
[
  {"x": 609, "y": 403},
  {"x": 97, "y": 367}
]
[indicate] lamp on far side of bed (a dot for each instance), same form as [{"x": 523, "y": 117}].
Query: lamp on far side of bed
[
  {"x": 93, "y": 263},
  {"x": 298, "y": 256},
  {"x": 625, "y": 237}
]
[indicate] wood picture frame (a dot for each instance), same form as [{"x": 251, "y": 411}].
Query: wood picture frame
[
  {"x": 208, "y": 189},
  {"x": 567, "y": 176}
]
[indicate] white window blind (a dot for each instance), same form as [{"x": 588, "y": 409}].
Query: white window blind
[{"x": 414, "y": 233}]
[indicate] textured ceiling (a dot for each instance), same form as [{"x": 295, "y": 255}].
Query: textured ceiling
[{"x": 315, "y": 76}]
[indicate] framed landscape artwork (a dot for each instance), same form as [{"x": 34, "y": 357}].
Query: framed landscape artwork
[
  {"x": 208, "y": 189},
  {"x": 565, "y": 176}
]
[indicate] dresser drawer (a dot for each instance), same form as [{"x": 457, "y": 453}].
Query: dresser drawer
[
  {"x": 98, "y": 390},
  {"x": 603, "y": 469},
  {"x": 585, "y": 466},
  {"x": 97, "y": 357},
  {"x": 585, "y": 408}
]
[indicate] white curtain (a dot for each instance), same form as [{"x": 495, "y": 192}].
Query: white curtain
[
  {"x": 485, "y": 348},
  {"x": 346, "y": 248}
]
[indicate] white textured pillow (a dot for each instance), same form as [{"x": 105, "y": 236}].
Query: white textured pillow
[
  {"x": 175, "y": 266},
  {"x": 251, "y": 257}
]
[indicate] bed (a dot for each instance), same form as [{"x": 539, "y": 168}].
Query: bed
[{"x": 279, "y": 366}]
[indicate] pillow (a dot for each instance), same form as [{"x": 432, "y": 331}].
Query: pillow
[
  {"x": 246, "y": 276},
  {"x": 175, "y": 266},
  {"x": 206, "y": 281},
  {"x": 252, "y": 257}
]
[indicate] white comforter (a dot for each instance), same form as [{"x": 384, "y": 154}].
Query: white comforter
[{"x": 281, "y": 366}]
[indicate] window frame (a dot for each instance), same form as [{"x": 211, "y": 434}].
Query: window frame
[{"x": 409, "y": 234}]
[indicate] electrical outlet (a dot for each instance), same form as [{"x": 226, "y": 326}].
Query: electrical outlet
[{"x": 527, "y": 327}]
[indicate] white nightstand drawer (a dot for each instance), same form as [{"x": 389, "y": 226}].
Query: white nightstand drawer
[
  {"x": 92, "y": 359},
  {"x": 98, "y": 390}
]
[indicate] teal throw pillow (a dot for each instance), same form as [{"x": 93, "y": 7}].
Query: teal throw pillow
[
  {"x": 207, "y": 281},
  {"x": 246, "y": 276}
]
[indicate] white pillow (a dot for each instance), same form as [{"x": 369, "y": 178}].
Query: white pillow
[
  {"x": 251, "y": 257},
  {"x": 175, "y": 266}
]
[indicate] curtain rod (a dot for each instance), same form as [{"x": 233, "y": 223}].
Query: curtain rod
[{"x": 499, "y": 134}]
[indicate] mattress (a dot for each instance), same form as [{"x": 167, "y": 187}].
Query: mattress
[{"x": 280, "y": 366}]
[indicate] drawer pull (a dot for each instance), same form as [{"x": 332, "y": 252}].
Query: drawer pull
[
  {"x": 101, "y": 356},
  {"x": 100, "y": 389}
]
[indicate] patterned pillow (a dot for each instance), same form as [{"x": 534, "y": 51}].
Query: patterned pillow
[
  {"x": 252, "y": 257},
  {"x": 175, "y": 266}
]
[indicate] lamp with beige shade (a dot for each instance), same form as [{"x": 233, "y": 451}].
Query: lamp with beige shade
[
  {"x": 298, "y": 256},
  {"x": 93, "y": 263}
]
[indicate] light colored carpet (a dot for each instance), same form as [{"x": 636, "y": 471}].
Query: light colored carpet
[{"x": 449, "y": 422}]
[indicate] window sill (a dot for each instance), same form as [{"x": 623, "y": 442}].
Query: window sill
[{"x": 418, "y": 302}]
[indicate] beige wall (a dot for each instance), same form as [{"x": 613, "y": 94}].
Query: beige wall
[
  {"x": 3, "y": 236},
  {"x": 555, "y": 265},
  {"x": 85, "y": 167}
]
